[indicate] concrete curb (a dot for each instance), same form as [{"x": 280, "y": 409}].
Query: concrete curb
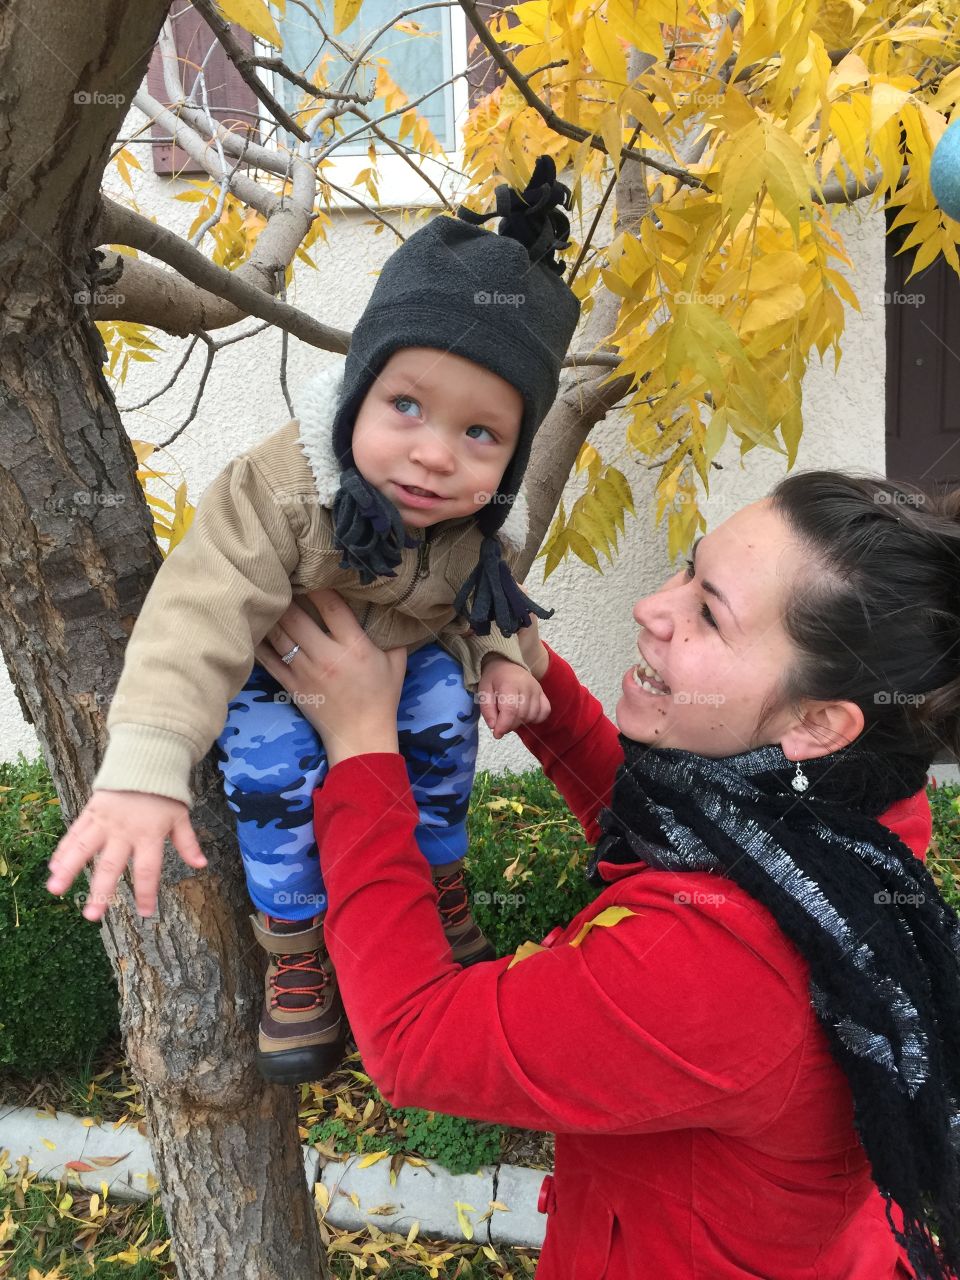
[{"x": 430, "y": 1194}]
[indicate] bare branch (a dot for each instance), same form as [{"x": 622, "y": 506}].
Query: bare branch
[
  {"x": 555, "y": 121},
  {"x": 241, "y": 60},
  {"x": 404, "y": 154},
  {"x": 189, "y": 140},
  {"x": 207, "y": 366},
  {"x": 123, "y": 226}
]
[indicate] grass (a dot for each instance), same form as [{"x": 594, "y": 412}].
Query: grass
[{"x": 49, "y": 1231}]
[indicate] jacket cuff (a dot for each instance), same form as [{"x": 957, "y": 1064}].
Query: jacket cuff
[
  {"x": 142, "y": 757},
  {"x": 470, "y": 652}
]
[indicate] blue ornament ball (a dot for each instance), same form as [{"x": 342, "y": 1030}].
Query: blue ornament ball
[{"x": 945, "y": 172}]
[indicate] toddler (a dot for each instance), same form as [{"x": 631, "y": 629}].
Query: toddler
[{"x": 398, "y": 486}]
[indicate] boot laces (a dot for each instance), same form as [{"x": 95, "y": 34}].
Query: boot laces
[
  {"x": 452, "y": 904},
  {"x": 299, "y": 962}
]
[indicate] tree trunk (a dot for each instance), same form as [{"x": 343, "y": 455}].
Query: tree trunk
[{"x": 77, "y": 555}]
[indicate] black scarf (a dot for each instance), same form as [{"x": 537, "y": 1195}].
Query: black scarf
[{"x": 882, "y": 946}]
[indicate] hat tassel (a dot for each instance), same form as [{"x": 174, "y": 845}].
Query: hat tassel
[{"x": 496, "y": 596}]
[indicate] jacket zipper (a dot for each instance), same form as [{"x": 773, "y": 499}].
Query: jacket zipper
[{"x": 422, "y": 569}]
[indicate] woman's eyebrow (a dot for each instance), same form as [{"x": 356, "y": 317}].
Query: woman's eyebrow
[{"x": 708, "y": 586}]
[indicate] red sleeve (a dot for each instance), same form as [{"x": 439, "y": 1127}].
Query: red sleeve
[
  {"x": 578, "y": 747},
  {"x": 666, "y": 1018}
]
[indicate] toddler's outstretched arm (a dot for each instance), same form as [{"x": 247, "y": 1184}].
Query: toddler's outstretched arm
[
  {"x": 509, "y": 696},
  {"x": 121, "y": 825}
]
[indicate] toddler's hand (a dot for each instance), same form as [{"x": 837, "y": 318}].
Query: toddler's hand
[
  {"x": 123, "y": 824},
  {"x": 509, "y": 696}
]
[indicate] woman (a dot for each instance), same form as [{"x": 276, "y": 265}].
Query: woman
[{"x": 747, "y": 1045}]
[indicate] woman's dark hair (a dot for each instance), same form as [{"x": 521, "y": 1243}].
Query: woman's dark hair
[{"x": 876, "y": 619}]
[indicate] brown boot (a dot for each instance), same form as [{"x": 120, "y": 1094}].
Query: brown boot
[
  {"x": 303, "y": 1026},
  {"x": 467, "y": 940}
]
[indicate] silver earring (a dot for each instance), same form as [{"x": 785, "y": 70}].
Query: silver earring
[{"x": 800, "y": 780}]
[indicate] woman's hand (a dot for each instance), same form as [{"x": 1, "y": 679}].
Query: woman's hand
[{"x": 342, "y": 683}]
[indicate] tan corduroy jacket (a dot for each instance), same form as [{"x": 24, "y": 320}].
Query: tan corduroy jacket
[{"x": 263, "y": 533}]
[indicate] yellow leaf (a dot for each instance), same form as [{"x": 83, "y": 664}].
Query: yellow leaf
[
  {"x": 525, "y": 950},
  {"x": 772, "y": 307},
  {"x": 254, "y": 16},
  {"x": 344, "y": 12},
  {"x": 606, "y": 919},
  {"x": 322, "y": 1195},
  {"x": 372, "y": 1158},
  {"x": 885, "y": 103},
  {"x": 466, "y": 1226},
  {"x": 604, "y": 52},
  {"x": 52, "y": 1146}
]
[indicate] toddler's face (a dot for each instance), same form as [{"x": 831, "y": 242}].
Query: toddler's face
[{"x": 435, "y": 433}]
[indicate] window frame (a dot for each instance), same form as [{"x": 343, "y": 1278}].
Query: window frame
[{"x": 399, "y": 186}]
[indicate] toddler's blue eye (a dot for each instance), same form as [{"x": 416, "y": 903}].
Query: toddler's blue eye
[
  {"x": 487, "y": 429},
  {"x": 400, "y": 401}
]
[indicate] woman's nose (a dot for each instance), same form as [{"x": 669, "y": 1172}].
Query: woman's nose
[{"x": 656, "y": 612}]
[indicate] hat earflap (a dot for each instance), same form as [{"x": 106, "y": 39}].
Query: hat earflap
[
  {"x": 496, "y": 596},
  {"x": 367, "y": 528}
]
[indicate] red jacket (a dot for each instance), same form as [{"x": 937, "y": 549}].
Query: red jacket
[{"x": 703, "y": 1130}]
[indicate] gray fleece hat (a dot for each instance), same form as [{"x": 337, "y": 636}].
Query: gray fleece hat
[{"x": 496, "y": 299}]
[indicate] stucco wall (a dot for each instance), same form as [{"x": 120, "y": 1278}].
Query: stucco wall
[{"x": 843, "y": 414}]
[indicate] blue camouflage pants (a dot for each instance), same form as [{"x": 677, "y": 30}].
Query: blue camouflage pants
[{"x": 272, "y": 759}]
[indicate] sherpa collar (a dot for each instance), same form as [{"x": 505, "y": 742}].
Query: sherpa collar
[{"x": 316, "y": 406}]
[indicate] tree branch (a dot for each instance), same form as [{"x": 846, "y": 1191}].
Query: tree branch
[
  {"x": 241, "y": 60},
  {"x": 555, "y": 121},
  {"x": 118, "y": 225}
]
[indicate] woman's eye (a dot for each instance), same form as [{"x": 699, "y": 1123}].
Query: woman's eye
[
  {"x": 485, "y": 429},
  {"x": 705, "y": 613},
  {"x": 400, "y": 401}
]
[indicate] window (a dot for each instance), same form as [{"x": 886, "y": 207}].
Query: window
[{"x": 417, "y": 62}]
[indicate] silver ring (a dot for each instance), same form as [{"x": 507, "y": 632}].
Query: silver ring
[{"x": 289, "y": 657}]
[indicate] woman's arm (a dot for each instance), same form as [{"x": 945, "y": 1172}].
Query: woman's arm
[
  {"x": 661, "y": 1017},
  {"x": 578, "y": 747}
]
